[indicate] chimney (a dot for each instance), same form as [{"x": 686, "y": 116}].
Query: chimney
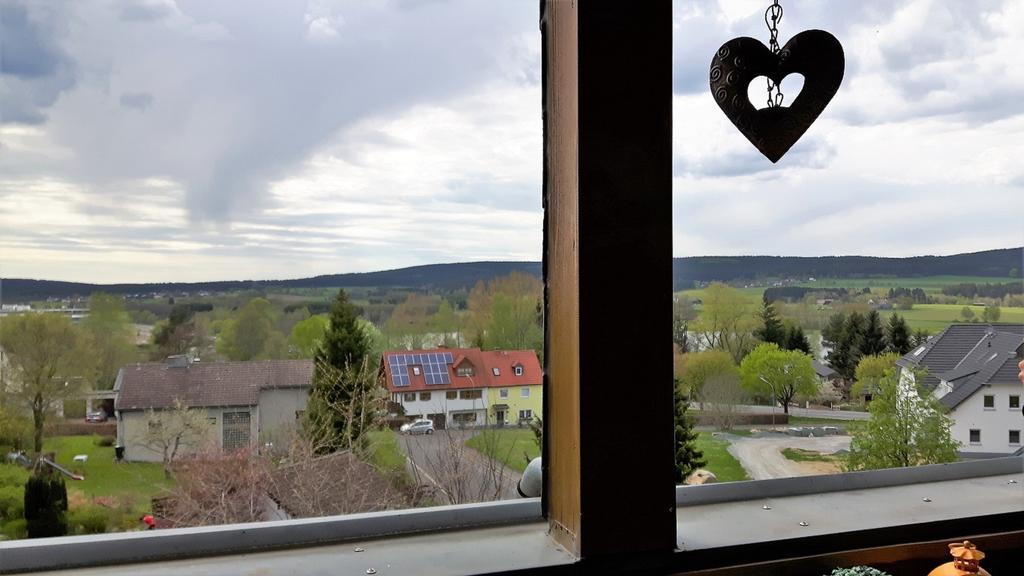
[{"x": 177, "y": 361}]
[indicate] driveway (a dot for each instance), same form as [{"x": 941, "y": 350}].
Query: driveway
[
  {"x": 762, "y": 457},
  {"x": 457, "y": 472}
]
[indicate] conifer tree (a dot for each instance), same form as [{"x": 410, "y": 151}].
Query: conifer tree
[
  {"x": 897, "y": 335},
  {"x": 796, "y": 339},
  {"x": 687, "y": 457},
  {"x": 46, "y": 505},
  {"x": 772, "y": 329},
  {"x": 874, "y": 336}
]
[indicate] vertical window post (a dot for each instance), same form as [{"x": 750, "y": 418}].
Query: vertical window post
[{"x": 608, "y": 236}]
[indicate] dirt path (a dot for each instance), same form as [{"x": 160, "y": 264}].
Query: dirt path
[{"x": 762, "y": 457}]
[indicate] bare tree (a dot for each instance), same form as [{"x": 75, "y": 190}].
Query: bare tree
[
  {"x": 459, "y": 473},
  {"x": 720, "y": 395},
  {"x": 216, "y": 487},
  {"x": 169, "y": 431}
]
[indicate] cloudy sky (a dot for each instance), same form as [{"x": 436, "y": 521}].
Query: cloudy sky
[{"x": 153, "y": 140}]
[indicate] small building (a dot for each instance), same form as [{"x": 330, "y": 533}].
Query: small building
[
  {"x": 465, "y": 386},
  {"x": 972, "y": 371},
  {"x": 245, "y": 402}
]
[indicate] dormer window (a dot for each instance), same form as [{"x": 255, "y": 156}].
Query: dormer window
[
  {"x": 464, "y": 370},
  {"x": 519, "y": 370},
  {"x": 416, "y": 370},
  {"x": 496, "y": 371}
]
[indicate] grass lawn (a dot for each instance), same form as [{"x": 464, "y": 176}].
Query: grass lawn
[
  {"x": 514, "y": 447},
  {"x": 935, "y": 317},
  {"x": 140, "y": 480},
  {"x": 725, "y": 467},
  {"x": 385, "y": 453},
  {"x": 801, "y": 455}
]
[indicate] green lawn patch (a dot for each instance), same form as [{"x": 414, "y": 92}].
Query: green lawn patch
[
  {"x": 801, "y": 455},
  {"x": 103, "y": 477},
  {"x": 513, "y": 447},
  {"x": 385, "y": 453},
  {"x": 725, "y": 467}
]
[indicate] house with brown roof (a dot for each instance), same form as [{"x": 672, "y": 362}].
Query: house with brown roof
[
  {"x": 245, "y": 402},
  {"x": 465, "y": 386},
  {"x": 972, "y": 370}
]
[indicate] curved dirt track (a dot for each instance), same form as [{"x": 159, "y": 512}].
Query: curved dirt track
[{"x": 762, "y": 457}]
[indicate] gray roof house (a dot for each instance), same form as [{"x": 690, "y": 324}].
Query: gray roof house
[
  {"x": 245, "y": 402},
  {"x": 972, "y": 371}
]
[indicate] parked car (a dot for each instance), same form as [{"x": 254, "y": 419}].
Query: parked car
[
  {"x": 95, "y": 417},
  {"x": 418, "y": 427}
]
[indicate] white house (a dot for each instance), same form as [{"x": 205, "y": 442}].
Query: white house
[
  {"x": 245, "y": 402},
  {"x": 972, "y": 370}
]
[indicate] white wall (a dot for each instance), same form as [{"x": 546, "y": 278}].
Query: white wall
[
  {"x": 132, "y": 426},
  {"x": 277, "y": 410},
  {"x": 439, "y": 404},
  {"x": 994, "y": 423}
]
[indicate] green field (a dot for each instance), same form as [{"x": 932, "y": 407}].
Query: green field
[
  {"x": 930, "y": 284},
  {"x": 725, "y": 467},
  {"x": 514, "y": 447},
  {"x": 935, "y": 317}
]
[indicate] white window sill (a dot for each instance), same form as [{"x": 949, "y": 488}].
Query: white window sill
[{"x": 890, "y": 508}]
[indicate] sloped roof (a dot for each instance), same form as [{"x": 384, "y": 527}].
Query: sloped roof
[
  {"x": 949, "y": 349},
  {"x": 483, "y": 362},
  {"x": 823, "y": 370},
  {"x": 1001, "y": 369},
  {"x": 202, "y": 384}
]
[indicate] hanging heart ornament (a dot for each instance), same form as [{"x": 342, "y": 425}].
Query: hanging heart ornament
[{"x": 815, "y": 54}]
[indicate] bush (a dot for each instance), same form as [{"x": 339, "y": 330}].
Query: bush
[
  {"x": 12, "y": 475},
  {"x": 12, "y": 503},
  {"x": 858, "y": 571},
  {"x": 105, "y": 441},
  {"x": 46, "y": 504},
  {"x": 89, "y": 520},
  {"x": 15, "y": 529}
]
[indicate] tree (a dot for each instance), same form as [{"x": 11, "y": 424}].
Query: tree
[
  {"x": 991, "y": 313},
  {"x": 178, "y": 334},
  {"x": 111, "y": 337},
  {"x": 446, "y": 323},
  {"x": 796, "y": 339},
  {"x": 699, "y": 367},
  {"x": 897, "y": 336},
  {"x": 410, "y": 321},
  {"x": 250, "y": 334},
  {"x": 846, "y": 351},
  {"x": 345, "y": 342},
  {"x": 46, "y": 505},
  {"x": 307, "y": 336},
  {"x": 171, "y": 430},
  {"x": 781, "y": 374},
  {"x": 873, "y": 341},
  {"x": 683, "y": 314},
  {"x": 920, "y": 337},
  {"x": 871, "y": 370},
  {"x": 907, "y": 427},
  {"x": 967, "y": 314},
  {"x": 720, "y": 399},
  {"x": 727, "y": 321},
  {"x": 513, "y": 320},
  {"x": 48, "y": 355},
  {"x": 833, "y": 331},
  {"x": 772, "y": 329},
  {"x": 687, "y": 457}
]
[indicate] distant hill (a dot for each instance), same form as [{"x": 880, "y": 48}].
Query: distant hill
[{"x": 997, "y": 264}]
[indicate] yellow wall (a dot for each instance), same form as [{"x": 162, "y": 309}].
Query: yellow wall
[{"x": 515, "y": 402}]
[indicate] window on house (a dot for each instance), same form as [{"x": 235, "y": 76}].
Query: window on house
[
  {"x": 1014, "y": 436},
  {"x": 524, "y": 392},
  {"x": 519, "y": 370},
  {"x": 409, "y": 397},
  {"x": 424, "y": 396},
  {"x": 503, "y": 393},
  {"x": 1014, "y": 402},
  {"x": 470, "y": 394},
  {"x": 451, "y": 395},
  {"x": 416, "y": 370},
  {"x": 236, "y": 430},
  {"x": 526, "y": 414},
  {"x": 464, "y": 371},
  {"x": 990, "y": 401},
  {"x": 211, "y": 421},
  {"x": 975, "y": 436},
  {"x": 495, "y": 371}
]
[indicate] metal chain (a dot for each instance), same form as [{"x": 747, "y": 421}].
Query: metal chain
[{"x": 772, "y": 17}]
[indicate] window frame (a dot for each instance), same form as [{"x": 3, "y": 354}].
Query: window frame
[
  {"x": 451, "y": 394},
  {"x": 1010, "y": 437},
  {"x": 971, "y": 433},
  {"x": 406, "y": 397},
  {"x": 988, "y": 401},
  {"x": 1013, "y": 401},
  {"x": 524, "y": 392},
  {"x": 503, "y": 393},
  {"x": 424, "y": 396},
  {"x": 518, "y": 370}
]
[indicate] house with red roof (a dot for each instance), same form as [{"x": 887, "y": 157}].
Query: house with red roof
[{"x": 465, "y": 386}]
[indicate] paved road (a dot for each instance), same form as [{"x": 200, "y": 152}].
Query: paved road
[
  {"x": 830, "y": 414},
  {"x": 456, "y": 471},
  {"x": 762, "y": 457}
]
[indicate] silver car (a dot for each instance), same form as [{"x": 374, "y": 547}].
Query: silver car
[{"x": 420, "y": 427}]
